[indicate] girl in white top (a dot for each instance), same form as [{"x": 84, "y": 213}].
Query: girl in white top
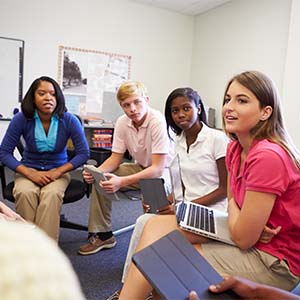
[
  {"x": 202, "y": 166},
  {"x": 201, "y": 149}
]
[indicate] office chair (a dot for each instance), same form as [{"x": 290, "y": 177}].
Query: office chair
[{"x": 75, "y": 191}]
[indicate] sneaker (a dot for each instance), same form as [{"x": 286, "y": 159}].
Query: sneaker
[
  {"x": 149, "y": 297},
  {"x": 114, "y": 296},
  {"x": 95, "y": 244}
]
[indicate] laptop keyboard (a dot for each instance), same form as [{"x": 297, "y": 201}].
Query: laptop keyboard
[
  {"x": 202, "y": 218},
  {"x": 180, "y": 211}
]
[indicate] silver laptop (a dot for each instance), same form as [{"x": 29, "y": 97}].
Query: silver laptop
[{"x": 196, "y": 218}]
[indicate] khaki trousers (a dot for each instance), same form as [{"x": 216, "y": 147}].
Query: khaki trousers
[
  {"x": 41, "y": 205},
  {"x": 100, "y": 207},
  {"x": 252, "y": 264}
]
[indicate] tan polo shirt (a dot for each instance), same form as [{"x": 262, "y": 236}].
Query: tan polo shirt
[{"x": 150, "y": 138}]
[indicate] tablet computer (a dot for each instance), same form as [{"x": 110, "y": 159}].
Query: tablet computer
[
  {"x": 175, "y": 268},
  {"x": 99, "y": 176},
  {"x": 154, "y": 193}
]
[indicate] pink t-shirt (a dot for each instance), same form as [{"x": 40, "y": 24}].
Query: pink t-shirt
[
  {"x": 268, "y": 168},
  {"x": 150, "y": 138}
]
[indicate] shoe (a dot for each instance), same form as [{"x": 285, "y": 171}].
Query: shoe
[
  {"x": 149, "y": 297},
  {"x": 114, "y": 296},
  {"x": 95, "y": 244}
]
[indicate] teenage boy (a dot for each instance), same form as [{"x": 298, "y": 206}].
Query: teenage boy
[{"x": 143, "y": 132}]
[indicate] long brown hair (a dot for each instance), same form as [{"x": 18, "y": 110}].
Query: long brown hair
[{"x": 273, "y": 128}]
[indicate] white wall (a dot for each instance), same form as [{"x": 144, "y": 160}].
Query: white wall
[
  {"x": 237, "y": 36},
  {"x": 291, "y": 94},
  {"x": 158, "y": 41},
  {"x": 168, "y": 49}
]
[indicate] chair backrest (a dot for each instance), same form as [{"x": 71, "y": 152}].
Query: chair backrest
[
  {"x": 70, "y": 147},
  {"x": 21, "y": 145},
  {"x": 4, "y": 187},
  {"x": 8, "y": 188}
]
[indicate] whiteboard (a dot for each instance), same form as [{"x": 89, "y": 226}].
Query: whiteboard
[{"x": 11, "y": 75}]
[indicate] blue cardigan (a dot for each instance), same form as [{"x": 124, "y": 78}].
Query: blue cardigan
[{"x": 68, "y": 127}]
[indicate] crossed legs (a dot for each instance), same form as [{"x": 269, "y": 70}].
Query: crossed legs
[{"x": 135, "y": 285}]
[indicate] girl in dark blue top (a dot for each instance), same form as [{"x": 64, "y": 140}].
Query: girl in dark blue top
[{"x": 42, "y": 174}]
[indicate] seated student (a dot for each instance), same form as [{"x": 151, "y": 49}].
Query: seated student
[
  {"x": 142, "y": 131},
  {"x": 42, "y": 175},
  {"x": 201, "y": 149},
  {"x": 33, "y": 267},
  {"x": 8, "y": 214},
  {"x": 247, "y": 289},
  {"x": 201, "y": 152},
  {"x": 264, "y": 188}
]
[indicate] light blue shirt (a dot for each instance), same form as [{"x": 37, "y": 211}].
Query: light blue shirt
[{"x": 45, "y": 143}]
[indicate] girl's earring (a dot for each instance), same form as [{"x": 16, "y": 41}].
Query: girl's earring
[{"x": 199, "y": 110}]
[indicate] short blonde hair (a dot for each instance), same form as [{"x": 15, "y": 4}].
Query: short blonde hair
[{"x": 130, "y": 88}]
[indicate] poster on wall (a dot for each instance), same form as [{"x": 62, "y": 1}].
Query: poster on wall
[{"x": 90, "y": 79}]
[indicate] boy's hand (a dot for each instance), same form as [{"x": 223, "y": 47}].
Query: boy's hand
[
  {"x": 247, "y": 289},
  {"x": 112, "y": 184}
]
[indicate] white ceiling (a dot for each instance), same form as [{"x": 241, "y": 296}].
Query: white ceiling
[{"x": 187, "y": 7}]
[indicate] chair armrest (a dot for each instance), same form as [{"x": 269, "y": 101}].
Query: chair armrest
[{"x": 2, "y": 176}]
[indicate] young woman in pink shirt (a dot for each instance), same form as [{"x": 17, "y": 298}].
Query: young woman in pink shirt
[{"x": 263, "y": 194}]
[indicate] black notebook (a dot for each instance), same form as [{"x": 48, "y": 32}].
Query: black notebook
[{"x": 174, "y": 268}]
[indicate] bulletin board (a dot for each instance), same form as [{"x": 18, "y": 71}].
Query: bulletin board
[
  {"x": 11, "y": 75},
  {"x": 90, "y": 79}
]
